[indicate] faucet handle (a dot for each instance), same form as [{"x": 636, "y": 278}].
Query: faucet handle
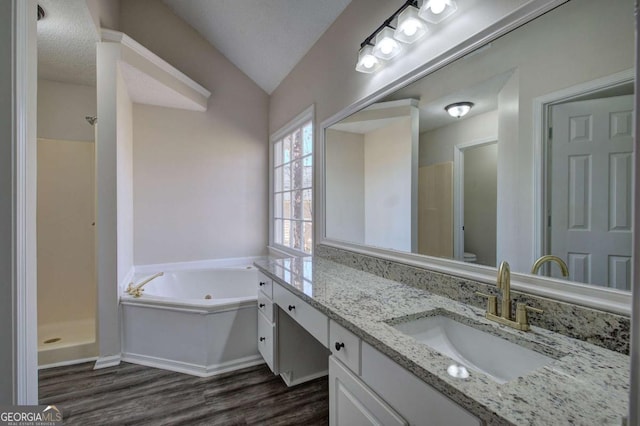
[
  {"x": 492, "y": 303},
  {"x": 521, "y": 314}
]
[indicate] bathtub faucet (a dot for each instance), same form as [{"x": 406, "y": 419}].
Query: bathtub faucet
[{"x": 136, "y": 290}]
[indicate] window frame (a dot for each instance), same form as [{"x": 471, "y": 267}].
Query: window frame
[{"x": 296, "y": 123}]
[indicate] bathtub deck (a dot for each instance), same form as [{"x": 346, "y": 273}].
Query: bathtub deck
[{"x": 131, "y": 394}]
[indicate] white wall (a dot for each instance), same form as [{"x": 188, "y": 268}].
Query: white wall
[
  {"x": 104, "y": 14},
  {"x": 107, "y": 200},
  {"x": 62, "y": 109},
  {"x": 437, "y": 145},
  {"x": 345, "y": 186},
  {"x": 200, "y": 186},
  {"x": 18, "y": 159},
  {"x": 124, "y": 119},
  {"x": 509, "y": 246},
  {"x": 388, "y": 176}
]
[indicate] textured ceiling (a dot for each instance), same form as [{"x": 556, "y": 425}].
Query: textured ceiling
[
  {"x": 264, "y": 38},
  {"x": 66, "y": 43}
]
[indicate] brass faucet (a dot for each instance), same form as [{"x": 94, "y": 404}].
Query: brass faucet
[
  {"x": 136, "y": 290},
  {"x": 503, "y": 283},
  {"x": 550, "y": 258}
]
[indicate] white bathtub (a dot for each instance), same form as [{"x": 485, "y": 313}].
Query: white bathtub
[{"x": 174, "y": 326}]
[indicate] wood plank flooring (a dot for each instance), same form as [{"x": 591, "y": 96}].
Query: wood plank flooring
[{"x": 131, "y": 394}]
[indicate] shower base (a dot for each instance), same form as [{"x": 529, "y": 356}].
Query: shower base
[{"x": 69, "y": 342}]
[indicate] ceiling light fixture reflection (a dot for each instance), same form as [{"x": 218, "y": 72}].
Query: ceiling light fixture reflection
[
  {"x": 459, "y": 109},
  {"x": 458, "y": 371},
  {"x": 436, "y": 11}
]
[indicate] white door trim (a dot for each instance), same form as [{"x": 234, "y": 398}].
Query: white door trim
[
  {"x": 25, "y": 260},
  {"x": 458, "y": 191},
  {"x": 634, "y": 391},
  {"x": 540, "y": 137}
]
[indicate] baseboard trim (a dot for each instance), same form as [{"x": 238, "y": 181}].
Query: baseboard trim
[
  {"x": 193, "y": 369},
  {"x": 286, "y": 377},
  {"x": 68, "y": 362},
  {"x": 107, "y": 361}
]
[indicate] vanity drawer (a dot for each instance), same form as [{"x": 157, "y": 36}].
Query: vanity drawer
[
  {"x": 345, "y": 346},
  {"x": 312, "y": 320},
  {"x": 265, "y": 305},
  {"x": 265, "y": 285},
  {"x": 266, "y": 341}
]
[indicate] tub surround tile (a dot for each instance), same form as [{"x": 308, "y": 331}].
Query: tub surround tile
[
  {"x": 586, "y": 385},
  {"x": 600, "y": 328}
]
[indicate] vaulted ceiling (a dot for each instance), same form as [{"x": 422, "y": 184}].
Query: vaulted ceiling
[{"x": 263, "y": 38}]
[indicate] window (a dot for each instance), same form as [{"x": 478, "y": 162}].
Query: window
[{"x": 292, "y": 185}]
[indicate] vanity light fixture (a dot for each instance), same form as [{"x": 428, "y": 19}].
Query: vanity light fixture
[
  {"x": 436, "y": 11},
  {"x": 410, "y": 25},
  {"x": 459, "y": 109}
]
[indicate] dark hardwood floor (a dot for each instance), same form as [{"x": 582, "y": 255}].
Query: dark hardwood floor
[{"x": 131, "y": 394}]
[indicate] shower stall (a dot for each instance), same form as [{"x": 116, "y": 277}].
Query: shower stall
[{"x": 66, "y": 251}]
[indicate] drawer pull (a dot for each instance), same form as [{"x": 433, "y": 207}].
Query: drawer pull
[
  {"x": 339, "y": 346},
  {"x": 262, "y": 339},
  {"x": 291, "y": 308},
  {"x": 262, "y": 283},
  {"x": 261, "y": 305}
]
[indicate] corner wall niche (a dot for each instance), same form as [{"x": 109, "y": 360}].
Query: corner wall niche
[{"x": 150, "y": 80}]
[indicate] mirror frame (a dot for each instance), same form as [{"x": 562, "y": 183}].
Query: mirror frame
[{"x": 602, "y": 298}]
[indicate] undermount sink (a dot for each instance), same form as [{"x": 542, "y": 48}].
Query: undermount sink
[{"x": 474, "y": 349}]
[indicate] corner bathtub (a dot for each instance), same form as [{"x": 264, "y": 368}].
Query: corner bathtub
[{"x": 199, "y": 322}]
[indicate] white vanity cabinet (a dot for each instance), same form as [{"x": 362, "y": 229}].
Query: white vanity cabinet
[
  {"x": 368, "y": 388},
  {"x": 292, "y": 335},
  {"x": 365, "y": 386}
]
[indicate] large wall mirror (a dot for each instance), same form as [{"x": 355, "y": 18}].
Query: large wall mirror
[{"x": 541, "y": 163}]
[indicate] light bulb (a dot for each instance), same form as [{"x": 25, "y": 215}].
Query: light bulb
[
  {"x": 369, "y": 61},
  {"x": 437, "y": 6},
  {"x": 410, "y": 27},
  {"x": 386, "y": 46}
]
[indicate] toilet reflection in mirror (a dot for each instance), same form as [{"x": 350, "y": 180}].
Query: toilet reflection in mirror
[{"x": 497, "y": 184}]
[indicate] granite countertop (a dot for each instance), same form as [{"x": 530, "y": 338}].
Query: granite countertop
[{"x": 587, "y": 385}]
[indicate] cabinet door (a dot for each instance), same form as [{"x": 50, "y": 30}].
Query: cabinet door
[
  {"x": 418, "y": 402},
  {"x": 352, "y": 403},
  {"x": 267, "y": 342}
]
